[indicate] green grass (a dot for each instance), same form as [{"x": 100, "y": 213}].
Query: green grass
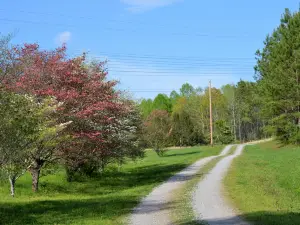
[
  {"x": 264, "y": 184},
  {"x": 107, "y": 200}
]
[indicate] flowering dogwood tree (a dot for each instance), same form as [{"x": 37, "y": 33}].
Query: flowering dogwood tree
[{"x": 89, "y": 100}]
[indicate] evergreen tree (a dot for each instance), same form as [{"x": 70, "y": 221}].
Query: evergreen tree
[{"x": 278, "y": 76}]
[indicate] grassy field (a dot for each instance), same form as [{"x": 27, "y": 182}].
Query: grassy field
[
  {"x": 264, "y": 184},
  {"x": 107, "y": 200}
]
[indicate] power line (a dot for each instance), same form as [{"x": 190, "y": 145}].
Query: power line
[
  {"x": 183, "y": 67},
  {"x": 136, "y": 56},
  {"x": 183, "y": 70},
  {"x": 122, "y": 30},
  {"x": 169, "y": 74},
  {"x": 87, "y": 18},
  {"x": 112, "y": 57},
  {"x": 33, "y": 22},
  {"x": 183, "y": 60},
  {"x": 174, "y": 63},
  {"x": 150, "y": 91}
]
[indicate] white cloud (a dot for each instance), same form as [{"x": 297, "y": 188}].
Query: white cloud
[
  {"x": 143, "y": 5},
  {"x": 63, "y": 38}
]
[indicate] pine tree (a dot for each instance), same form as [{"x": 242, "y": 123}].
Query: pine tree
[{"x": 278, "y": 76}]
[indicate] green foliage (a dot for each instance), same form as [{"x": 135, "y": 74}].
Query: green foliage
[
  {"x": 278, "y": 76},
  {"x": 236, "y": 114},
  {"x": 184, "y": 131},
  {"x": 28, "y": 132},
  {"x": 286, "y": 128},
  {"x": 146, "y": 107},
  {"x": 157, "y": 130},
  {"x": 162, "y": 102},
  {"x": 223, "y": 133},
  {"x": 187, "y": 90},
  {"x": 17, "y": 131},
  {"x": 249, "y": 117},
  {"x": 174, "y": 97}
]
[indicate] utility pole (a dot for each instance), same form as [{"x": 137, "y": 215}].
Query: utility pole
[{"x": 210, "y": 116}]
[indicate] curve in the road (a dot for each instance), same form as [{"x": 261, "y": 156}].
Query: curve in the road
[
  {"x": 154, "y": 208},
  {"x": 208, "y": 201}
]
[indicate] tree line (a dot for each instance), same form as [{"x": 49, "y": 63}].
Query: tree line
[{"x": 183, "y": 118}]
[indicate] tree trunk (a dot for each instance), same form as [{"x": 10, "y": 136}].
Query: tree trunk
[
  {"x": 35, "y": 170},
  {"x": 12, "y": 181},
  {"x": 240, "y": 133},
  {"x": 180, "y": 140},
  {"x": 35, "y": 173},
  {"x": 234, "y": 123}
]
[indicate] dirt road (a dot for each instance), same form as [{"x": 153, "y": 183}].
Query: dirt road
[
  {"x": 208, "y": 201},
  {"x": 154, "y": 209}
]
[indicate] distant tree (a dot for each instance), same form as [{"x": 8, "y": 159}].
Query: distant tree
[
  {"x": 187, "y": 90},
  {"x": 278, "y": 76},
  {"x": 223, "y": 132},
  {"x": 174, "y": 97},
  {"x": 146, "y": 107},
  {"x": 228, "y": 91},
  {"x": 248, "y": 111},
  {"x": 162, "y": 102},
  {"x": 182, "y": 126},
  {"x": 157, "y": 129}
]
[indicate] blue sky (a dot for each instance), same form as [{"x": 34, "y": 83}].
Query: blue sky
[{"x": 152, "y": 45}]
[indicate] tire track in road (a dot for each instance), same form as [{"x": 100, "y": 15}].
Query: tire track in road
[
  {"x": 208, "y": 201},
  {"x": 155, "y": 208}
]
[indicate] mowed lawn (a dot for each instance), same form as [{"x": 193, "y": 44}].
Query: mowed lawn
[
  {"x": 264, "y": 184},
  {"x": 108, "y": 199}
]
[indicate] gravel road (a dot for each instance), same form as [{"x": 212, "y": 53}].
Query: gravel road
[
  {"x": 208, "y": 202},
  {"x": 154, "y": 208}
]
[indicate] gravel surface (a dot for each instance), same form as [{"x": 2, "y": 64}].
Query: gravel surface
[
  {"x": 154, "y": 208},
  {"x": 208, "y": 201}
]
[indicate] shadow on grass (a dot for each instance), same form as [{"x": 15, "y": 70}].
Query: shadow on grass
[
  {"x": 258, "y": 218},
  {"x": 105, "y": 197},
  {"x": 112, "y": 181},
  {"x": 181, "y": 153},
  {"x": 64, "y": 212}
]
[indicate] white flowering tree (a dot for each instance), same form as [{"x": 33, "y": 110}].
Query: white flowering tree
[{"x": 28, "y": 135}]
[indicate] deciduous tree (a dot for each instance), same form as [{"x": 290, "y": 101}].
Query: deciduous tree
[
  {"x": 89, "y": 100},
  {"x": 27, "y": 135},
  {"x": 157, "y": 130}
]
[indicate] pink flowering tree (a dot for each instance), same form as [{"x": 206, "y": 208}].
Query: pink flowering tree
[{"x": 86, "y": 98}]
